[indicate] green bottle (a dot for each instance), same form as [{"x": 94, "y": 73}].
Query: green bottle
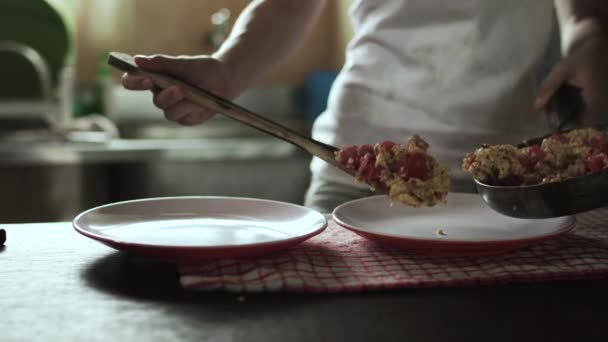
[{"x": 103, "y": 86}]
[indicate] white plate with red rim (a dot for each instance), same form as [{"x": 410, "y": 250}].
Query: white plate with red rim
[
  {"x": 463, "y": 226},
  {"x": 189, "y": 229}
]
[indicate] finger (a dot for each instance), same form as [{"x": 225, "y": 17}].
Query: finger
[
  {"x": 196, "y": 118},
  {"x": 180, "y": 110},
  {"x": 205, "y": 115},
  {"x": 156, "y": 90},
  {"x": 151, "y": 63},
  {"x": 191, "y": 119},
  {"x": 549, "y": 86},
  {"x": 134, "y": 82},
  {"x": 168, "y": 97}
]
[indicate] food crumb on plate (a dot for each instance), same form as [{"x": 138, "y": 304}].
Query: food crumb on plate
[{"x": 440, "y": 232}]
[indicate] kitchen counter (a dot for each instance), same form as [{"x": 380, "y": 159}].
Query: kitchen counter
[
  {"x": 141, "y": 150},
  {"x": 56, "y": 285},
  {"x": 53, "y": 179}
]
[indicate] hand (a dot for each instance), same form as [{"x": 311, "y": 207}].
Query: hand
[
  {"x": 205, "y": 72},
  {"x": 585, "y": 66}
]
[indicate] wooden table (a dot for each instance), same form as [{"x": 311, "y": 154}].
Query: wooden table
[{"x": 56, "y": 285}]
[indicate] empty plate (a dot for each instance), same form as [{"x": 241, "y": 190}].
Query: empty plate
[
  {"x": 193, "y": 228},
  {"x": 464, "y": 226}
]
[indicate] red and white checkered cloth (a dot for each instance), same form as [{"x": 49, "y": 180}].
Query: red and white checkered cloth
[{"x": 338, "y": 260}]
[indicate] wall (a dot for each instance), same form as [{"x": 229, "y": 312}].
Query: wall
[{"x": 179, "y": 27}]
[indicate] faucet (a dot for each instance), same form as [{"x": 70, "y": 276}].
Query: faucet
[
  {"x": 219, "y": 31},
  {"x": 43, "y": 70}
]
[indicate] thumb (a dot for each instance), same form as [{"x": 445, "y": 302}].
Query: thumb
[
  {"x": 558, "y": 75},
  {"x": 161, "y": 64}
]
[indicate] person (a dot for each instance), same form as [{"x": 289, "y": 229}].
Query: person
[{"x": 457, "y": 73}]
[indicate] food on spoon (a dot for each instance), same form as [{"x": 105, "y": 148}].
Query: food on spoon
[
  {"x": 561, "y": 156},
  {"x": 406, "y": 172}
]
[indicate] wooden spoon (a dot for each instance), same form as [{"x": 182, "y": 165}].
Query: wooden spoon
[{"x": 126, "y": 63}]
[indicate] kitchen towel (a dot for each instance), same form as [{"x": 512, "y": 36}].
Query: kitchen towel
[{"x": 339, "y": 260}]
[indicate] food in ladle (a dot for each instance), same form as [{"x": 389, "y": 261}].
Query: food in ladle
[{"x": 406, "y": 172}]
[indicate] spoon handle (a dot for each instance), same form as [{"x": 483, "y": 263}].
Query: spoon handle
[{"x": 219, "y": 104}]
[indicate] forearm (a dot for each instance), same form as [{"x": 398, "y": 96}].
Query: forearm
[
  {"x": 265, "y": 34},
  {"x": 580, "y": 19}
]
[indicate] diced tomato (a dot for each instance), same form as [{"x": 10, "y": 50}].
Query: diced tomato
[
  {"x": 367, "y": 169},
  {"x": 532, "y": 156},
  {"x": 362, "y": 159},
  {"x": 597, "y": 144},
  {"x": 415, "y": 165},
  {"x": 365, "y": 149},
  {"x": 367, "y": 161},
  {"x": 348, "y": 152},
  {"x": 373, "y": 175},
  {"x": 386, "y": 145},
  {"x": 594, "y": 163},
  {"x": 349, "y": 156}
]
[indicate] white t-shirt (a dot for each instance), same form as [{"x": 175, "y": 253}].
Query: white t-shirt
[{"x": 458, "y": 73}]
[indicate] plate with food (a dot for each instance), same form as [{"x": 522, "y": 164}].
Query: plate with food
[
  {"x": 187, "y": 229},
  {"x": 555, "y": 175},
  {"x": 463, "y": 226}
]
